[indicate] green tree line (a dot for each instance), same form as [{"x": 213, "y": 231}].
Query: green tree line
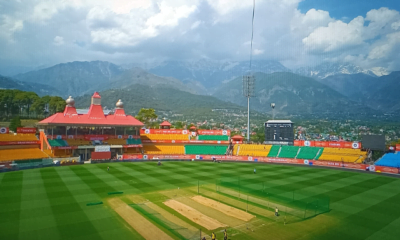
[{"x": 22, "y": 103}]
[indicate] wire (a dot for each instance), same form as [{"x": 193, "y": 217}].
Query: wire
[{"x": 252, "y": 32}]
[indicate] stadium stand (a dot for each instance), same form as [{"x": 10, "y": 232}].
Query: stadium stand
[
  {"x": 164, "y": 149},
  {"x": 288, "y": 152},
  {"x": 57, "y": 143},
  {"x": 274, "y": 151},
  {"x": 164, "y": 137},
  {"x": 116, "y": 141},
  {"x": 251, "y": 150},
  {"x": 389, "y": 160},
  {"x": 21, "y": 154},
  {"x": 213, "y": 137},
  {"x": 205, "y": 149},
  {"x": 342, "y": 155},
  {"x": 309, "y": 153},
  {"x": 134, "y": 141},
  {"x": 17, "y": 137},
  {"x": 78, "y": 142}
]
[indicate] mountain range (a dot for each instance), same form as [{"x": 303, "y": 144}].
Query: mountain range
[
  {"x": 320, "y": 91},
  {"x": 293, "y": 95}
]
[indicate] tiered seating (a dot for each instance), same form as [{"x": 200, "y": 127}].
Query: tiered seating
[
  {"x": 273, "y": 152},
  {"x": 21, "y": 154},
  {"x": 342, "y": 154},
  {"x": 134, "y": 141},
  {"x": 252, "y": 150},
  {"x": 213, "y": 137},
  {"x": 57, "y": 143},
  {"x": 116, "y": 141},
  {"x": 78, "y": 142},
  {"x": 17, "y": 137},
  {"x": 288, "y": 152},
  {"x": 164, "y": 149},
  {"x": 164, "y": 137},
  {"x": 389, "y": 160},
  {"x": 309, "y": 152},
  {"x": 206, "y": 149}
]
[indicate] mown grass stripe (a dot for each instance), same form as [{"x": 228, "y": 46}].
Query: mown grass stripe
[
  {"x": 95, "y": 183},
  {"x": 71, "y": 221},
  {"x": 37, "y": 218},
  {"x": 10, "y": 202},
  {"x": 368, "y": 221},
  {"x": 139, "y": 184}
]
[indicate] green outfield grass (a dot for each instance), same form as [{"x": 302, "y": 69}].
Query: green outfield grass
[{"x": 50, "y": 203}]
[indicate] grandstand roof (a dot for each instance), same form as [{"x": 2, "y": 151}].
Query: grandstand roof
[
  {"x": 94, "y": 117},
  {"x": 165, "y": 123},
  {"x": 279, "y": 121}
]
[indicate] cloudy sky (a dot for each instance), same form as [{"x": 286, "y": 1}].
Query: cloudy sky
[{"x": 296, "y": 33}]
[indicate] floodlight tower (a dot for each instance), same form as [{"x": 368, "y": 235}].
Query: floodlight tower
[
  {"x": 273, "y": 112},
  {"x": 248, "y": 92}
]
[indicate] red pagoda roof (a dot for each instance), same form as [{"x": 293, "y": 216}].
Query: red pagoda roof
[
  {"x": 237, "y": 137},
  {"x": 165, "y": 123},
  {"x": 95, "y": 116}
]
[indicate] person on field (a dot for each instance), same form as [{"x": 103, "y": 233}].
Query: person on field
[
  {"x": 276, "y": 211},
  {"x": 254, "y": 171},
  {"x": 213, "y": 236},
  {"x": 108, "y": 169},
  {"x": 225, "y": 235}
]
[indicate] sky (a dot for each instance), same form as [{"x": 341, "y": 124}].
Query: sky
[{"x": 296, "y": 33}]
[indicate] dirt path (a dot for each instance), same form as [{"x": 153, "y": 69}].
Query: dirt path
[
  {"x": 228, "y": 210},
  {"x": 194, "y": 215},
  {"x": 137, "y": 221}
]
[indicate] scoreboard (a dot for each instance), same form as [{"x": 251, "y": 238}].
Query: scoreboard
[{"x": 279, "y": 132}]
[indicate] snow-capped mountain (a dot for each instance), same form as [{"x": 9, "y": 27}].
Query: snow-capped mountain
[
  {"x": 325, "y": 70},
  {"x": 210, "y": 73}
]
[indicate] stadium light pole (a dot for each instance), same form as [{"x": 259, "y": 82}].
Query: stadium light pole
[
  {"x": 273, "y": 110},
  {"x": 248, "y": 92}
]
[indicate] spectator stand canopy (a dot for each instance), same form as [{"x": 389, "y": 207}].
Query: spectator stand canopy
[{"x": 83, "y": 131}]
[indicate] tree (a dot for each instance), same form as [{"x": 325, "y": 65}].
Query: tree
[
  {"x": 145, "y": 115},
  {"x": 178, "y": 125},
  {"x": 15, "y": 123},
  {"x": 56, "y": 104}
]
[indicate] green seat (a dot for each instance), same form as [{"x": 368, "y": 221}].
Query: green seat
[
  {"x": 309, "y": 152},
  {"x": 213, "y": 137},
  {"x": 274, "y": 151},
  {"x": 134, "y": 141},
  {"x": 288, "y": 152},
  {"x": 57, "y": 143},
  {"x": 205, "y": 149}
]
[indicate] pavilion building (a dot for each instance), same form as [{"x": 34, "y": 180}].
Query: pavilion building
[{"x": 93, "y": 135}]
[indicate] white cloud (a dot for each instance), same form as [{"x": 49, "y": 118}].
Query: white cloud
[
  {"x": 131, "y": 30},
  {"x": 336, "y": 36},
  {"x": 58, "y": 41}
]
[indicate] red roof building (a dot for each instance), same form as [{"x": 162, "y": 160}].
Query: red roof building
[
  {"x": 165, "y": 125},
  {"x": 95, "y": 116}
]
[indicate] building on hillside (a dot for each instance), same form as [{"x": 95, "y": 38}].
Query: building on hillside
[
  {"x": 279, "y": 132},
  {"x": 92, "y": 135}
]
